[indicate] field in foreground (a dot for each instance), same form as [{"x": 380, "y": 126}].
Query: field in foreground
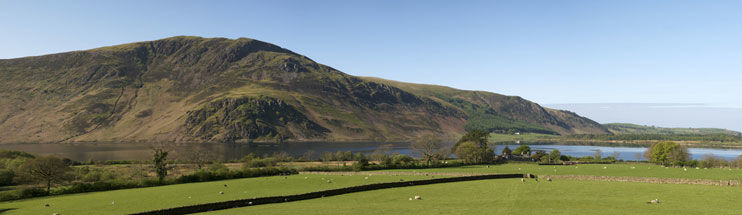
[
  {"x": 462, "y": 197},
  {"x": 510, "y": 196},
  {"x": 145, "y": 199}
]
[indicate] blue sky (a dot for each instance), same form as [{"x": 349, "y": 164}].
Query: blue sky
[{"x": 550, "y": 52}]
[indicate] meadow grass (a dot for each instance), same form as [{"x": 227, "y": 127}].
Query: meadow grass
[
  {"x": 622, "y": 169},
  {"x": 510, "y": 196},
  {"x": 144, "y": 199}
]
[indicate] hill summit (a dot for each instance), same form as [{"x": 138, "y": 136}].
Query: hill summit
[{"x": 216, "y": 89}]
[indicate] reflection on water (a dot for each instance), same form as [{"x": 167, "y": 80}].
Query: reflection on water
[{"x": 100, "y": 151}]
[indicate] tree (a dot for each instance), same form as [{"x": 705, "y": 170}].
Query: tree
[
  {"x": 472, "y": 152},
  {"x": 427, "y": 147},
  {"x": 667, "y": 153},
  {"x": 598, "y": 154},
  {"x": 522, "y": 150},
  {"x": 47, "y": 169},
  {"x": 160, "y": 163},
  {"x": 554, "y": 156},
  {"x": 198, "y": 154},
  {"x": 506, "y": 151},
  {"x": 477, "y": 136}
]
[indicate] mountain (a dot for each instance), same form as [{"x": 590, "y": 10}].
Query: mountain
[
  {"x": 215, "y": 89},
  {"x": 626, "y": 128}
]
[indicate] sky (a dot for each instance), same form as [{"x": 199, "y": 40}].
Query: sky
[{"x": 550, "y": 52}]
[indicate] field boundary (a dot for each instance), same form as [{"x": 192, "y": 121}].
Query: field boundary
[
  {"x": 649, "y": 180},
  {"x": 319, "y": 194}
]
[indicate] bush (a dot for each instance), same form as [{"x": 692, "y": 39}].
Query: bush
[{"x": 6, "y": 177}]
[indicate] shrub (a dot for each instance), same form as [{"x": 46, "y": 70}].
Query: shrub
[{"x": 6, "y": 177}]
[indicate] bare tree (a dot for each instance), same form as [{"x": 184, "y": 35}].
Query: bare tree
[
  {"x": 427, "y": 147},
  {"x": 197, "y": 154},
  {"x": 47, "y": 169}
]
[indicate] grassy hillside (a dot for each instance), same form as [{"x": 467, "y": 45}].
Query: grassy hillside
[
  {"x": 217, "y": 89},
  {"x": 626, "y": 128}
]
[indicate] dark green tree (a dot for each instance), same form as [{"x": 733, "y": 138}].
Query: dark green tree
[
  {"x": 522, "y": 150},
  {"x": 506, "y": 151},
  {"x": 160, "y": 163}
]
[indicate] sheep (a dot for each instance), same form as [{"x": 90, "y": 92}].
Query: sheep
[
  {"x": 654, "y": 201},
  {"x": 113, "y": 203},
  {"x": 225, "y": 185},
  {"x": 685, "y": 169},
  {"x": 46, "y": 205},
  {"x": 366, "y": 178},
  {"x": 410, "y": 199},
  {"x": 306, "y": 178},
  {"x": 249, "y": 203},
  {"x": 418, "y": 198},
  {"x": 522, "y": 180},
  {"x": 535, "y": 179},
  {"x": 548, "y": 179},
  {"x": 221, "y": 192}
]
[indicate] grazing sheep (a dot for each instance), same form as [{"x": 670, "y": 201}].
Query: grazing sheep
[
  {"x": 410, "y": 199},
  {"x": 522, "y": 180},
  {"x": 46, "y": 205},
  {"x": 654, "y": 201},
  {"x": 685, "y": 169},
  {"x": 329, "y": 181},
  {"x": 548, "y": 179},
  {"x": 55, "y": 214},
  {"x": 418, "y": 198},
  {"x": 605, "y": 167},
  {"x": 221, "y": 192},
  {"x": 225, "y": 185},
  {"x": 306, "y": 177},
  {"x": 366, "y": 178},
  {"x": 113, "y": 203}
]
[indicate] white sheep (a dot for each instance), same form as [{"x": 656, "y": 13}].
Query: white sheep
[
  {"x": 113, "y": 203},
  {"x": 654, "y": 201},
  {"x": 548, "y": 179},
  {"x": 522, "y": 180},
  {"x": 418, "y": 198},
  {"x": 221, "y": 192}
]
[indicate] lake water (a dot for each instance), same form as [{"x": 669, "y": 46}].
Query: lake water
[{"x": 99, "y": 151}]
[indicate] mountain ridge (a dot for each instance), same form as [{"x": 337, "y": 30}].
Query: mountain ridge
[{"x": 189, "y": 88}]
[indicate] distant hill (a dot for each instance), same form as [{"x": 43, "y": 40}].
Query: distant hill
[
  {"x": 626, "y": 128},
  {"x": 216, "y": 89}
]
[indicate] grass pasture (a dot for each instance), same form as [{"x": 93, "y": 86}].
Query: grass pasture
[
  {"x": 562, "y": 196},
  {"x": 510, "y": 196},
  {"x": 638, "y": 170},
  {"x": 144, "y": 199}
]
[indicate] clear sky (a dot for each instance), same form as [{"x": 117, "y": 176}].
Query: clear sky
[{"x": 550, "y": 52}]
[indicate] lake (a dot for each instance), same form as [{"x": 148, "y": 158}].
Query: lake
[{"x": 138, "y": 151}]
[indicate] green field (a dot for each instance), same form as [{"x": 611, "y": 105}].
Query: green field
[
  {"x": 638, "y": 170},
  {"x": 489, "y": 196},
  {"x": 513, "y": 197},
  {"x": 144, "y": 199}
]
